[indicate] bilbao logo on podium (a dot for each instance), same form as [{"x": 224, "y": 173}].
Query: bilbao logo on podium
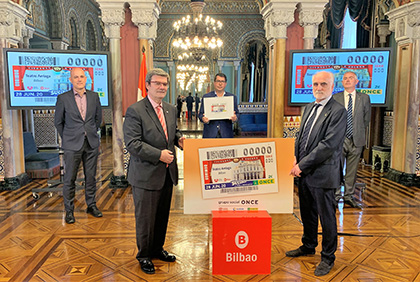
[{"x": 241, "y": 241}]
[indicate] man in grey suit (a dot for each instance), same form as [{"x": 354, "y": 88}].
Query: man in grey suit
[
  {"x": 358, "y": 118},
  {"x": 150, "y": 135},
  {"x": 318, "y": 165},
  {"x": 78, "y": 116}
]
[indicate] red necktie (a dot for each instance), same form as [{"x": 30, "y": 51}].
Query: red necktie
[{"x": 159, "y": 111}]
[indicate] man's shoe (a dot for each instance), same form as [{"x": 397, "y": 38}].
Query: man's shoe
[
  {"x": 165, "y": 256},
  {"x": 298, "y": 253},
  {"x": 147, "y": 266},
  {"x": 352, "y": 202},
  {"x": 69, "y": 217},
  {"x": 93, "y": 210},
  {"x": 323, "y": 268}
]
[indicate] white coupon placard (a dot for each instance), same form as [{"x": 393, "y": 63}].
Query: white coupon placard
[
  {"x": 238, "y": 170},
  {"x": 218, "y": 107}
]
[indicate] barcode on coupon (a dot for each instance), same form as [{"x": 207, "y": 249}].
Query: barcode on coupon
[
  {"x": 43, "y": 100},
  {"x": 37, "y": 61},
  {"x": 238, "y": 189},
  {"x": 221, "y": 154}
]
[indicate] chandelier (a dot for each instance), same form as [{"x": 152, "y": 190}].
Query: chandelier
[
  {"x": 197, "y": 34},
  {"x": 192, "y": 69}
]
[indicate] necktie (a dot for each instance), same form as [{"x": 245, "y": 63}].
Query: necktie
[
  {"x": 349, "y": 130},
  {"x": 306, "y": 130},
  {"x": 159, "y": 111}
]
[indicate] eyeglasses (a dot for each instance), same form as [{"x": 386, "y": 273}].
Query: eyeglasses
[
  {"x": 220, "y": 81},
  {"x": 159, "y": 84}
]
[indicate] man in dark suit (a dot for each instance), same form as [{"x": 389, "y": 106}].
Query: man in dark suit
[
  {"x": 179, "y": 105},
  {"x": 318, "y": 165},
  {"x": 358, "y": 118},
  {"x": 150, "y": 135},
  {"x": 78, "y": 116},
  {"x": 197, "y": 105},
  {"x": 218, "y": 128},
  {"x": 190, "y": 101}
]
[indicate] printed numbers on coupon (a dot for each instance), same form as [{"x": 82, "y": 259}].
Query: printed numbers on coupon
[{"x": 257, "y": 151}]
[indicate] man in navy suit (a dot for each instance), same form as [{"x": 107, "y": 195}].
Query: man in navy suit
[
  {"x": 150, "y": 135},
  {"x": 318, "y": 150},
  {"x": 218, "y": 128},
  {"x": 358, "y": 114},
  {"x": 78, "y": 116},
  {"x": 190, "y": 102}
]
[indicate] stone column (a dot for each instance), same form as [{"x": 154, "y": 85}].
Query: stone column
[
  {"x": 12, "y": 29},
  {"x": 310, "y": 16},
  {"x": 145, "y": 14},
  {"x": 278, "y": 15},
  {"x": 220, "y": 64},
  {"x": 405, "y": 23},
  {"x": 113, "y": 19},
  {"x": 172, "y": 84},
  {"x": 236, "y": 87}
]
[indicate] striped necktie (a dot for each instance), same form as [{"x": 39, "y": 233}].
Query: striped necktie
[
  {"x": 349, "y": 130},
  {"x": 306, "y": 130},
  {"x": 159, "y": 111}
]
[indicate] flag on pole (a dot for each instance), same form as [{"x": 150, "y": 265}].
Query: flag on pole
[{"x": 141, "y": 92}]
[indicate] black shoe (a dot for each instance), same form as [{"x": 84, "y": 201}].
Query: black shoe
[
  {"x": 165, "y": 256},
  {"x": 147, "y": 266},
  {"x": 323, "y": 268},
  {"x": 93, "y": 210},
  {"x": 70, "y": 217},
  {"x": 298, "y": 253},
  {"x": 352, "y": 202}
]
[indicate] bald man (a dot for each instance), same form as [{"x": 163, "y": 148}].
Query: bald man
[{"x": 78, "y": 116}]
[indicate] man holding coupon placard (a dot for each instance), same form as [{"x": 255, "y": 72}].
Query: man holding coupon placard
[{"x": 218, "y": 110}]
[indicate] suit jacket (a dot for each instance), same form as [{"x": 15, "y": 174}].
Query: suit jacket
[
  {"x": 145, "y": 139},
  {"x": 210, "y": 129},
  {"x": 361, "y": 116},
  {"x": 322, "y": 166},
  {"x": 70, "y": 124},
  {"x": 190, "y": 101}
]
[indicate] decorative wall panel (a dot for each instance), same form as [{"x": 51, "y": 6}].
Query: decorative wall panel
[{"x": 45, "y": 132}]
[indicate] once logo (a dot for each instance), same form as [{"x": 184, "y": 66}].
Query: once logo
[{"x": 241, "y": 239}]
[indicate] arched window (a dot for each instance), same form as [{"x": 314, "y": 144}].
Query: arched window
[
  {"x": 349, "y": 32},
  {"x": 254, "y": 73},
  {"x": 73, "y": 34},
  {"x": 90, "y": 37}
]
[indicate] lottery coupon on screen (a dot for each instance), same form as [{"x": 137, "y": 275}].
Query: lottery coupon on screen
[{"x": 238, "y": 170}]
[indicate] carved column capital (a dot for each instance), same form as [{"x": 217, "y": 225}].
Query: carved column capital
[
  {"x": 310, "y": 16},
  {"x": 145, "y": 14},
  {"x": 112, "y": 17},
  {"x": 278, "y": 15},
  {"x": 404, "y": 21},
  {"x": 237, "y": 63},
  {"x": 383, "y": 31}
]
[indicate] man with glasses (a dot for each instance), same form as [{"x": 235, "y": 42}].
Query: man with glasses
[
  {"x": 150, "y": 135},
  {"x": 222, "y": 128},
  {"x": 318, "y": 167}
]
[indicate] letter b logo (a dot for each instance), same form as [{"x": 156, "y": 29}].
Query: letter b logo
[{"x": 241, "y": 239}]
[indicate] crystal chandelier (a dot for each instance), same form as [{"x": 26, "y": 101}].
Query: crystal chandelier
[{"x": 197, "y": 34}]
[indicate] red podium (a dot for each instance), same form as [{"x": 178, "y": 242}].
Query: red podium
[{"x": 241, "y": 242}]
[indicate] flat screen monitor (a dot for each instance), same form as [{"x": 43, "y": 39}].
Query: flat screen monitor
[
  {"x": 371, "y": 66},
  {"x": 34, "y": 78}
]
